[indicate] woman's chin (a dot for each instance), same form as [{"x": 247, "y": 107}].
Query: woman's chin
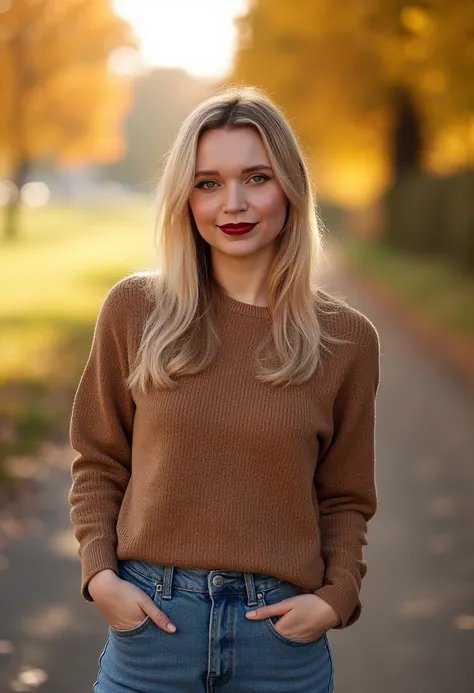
[{"x": 242, "y": 248}]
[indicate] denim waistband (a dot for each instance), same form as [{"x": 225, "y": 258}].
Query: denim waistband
[{"x": 205, "y": 581}]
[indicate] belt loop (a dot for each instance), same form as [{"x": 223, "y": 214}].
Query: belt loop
[
  {"x": 250, "y": 585},
  {"x": 167, "y": 581}
]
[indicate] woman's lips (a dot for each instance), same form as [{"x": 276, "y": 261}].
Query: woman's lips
[{"x": 237, "y": 229}]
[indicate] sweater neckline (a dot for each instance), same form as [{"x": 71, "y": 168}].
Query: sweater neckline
[{"x": 248, "y": 309}]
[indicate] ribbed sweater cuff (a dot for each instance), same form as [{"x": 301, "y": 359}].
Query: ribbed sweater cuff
[
  {"x": 344, "y": 600},
  {"x": 96, "y": 556}
]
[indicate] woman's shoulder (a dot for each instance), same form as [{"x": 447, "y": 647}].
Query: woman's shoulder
[
  {"x": 132, "y": 291},
  {"x": 342, "y": 321},
  {"x": 128, "y": 303}
]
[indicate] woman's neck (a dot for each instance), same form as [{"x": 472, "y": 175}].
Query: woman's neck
[{"x": 245, "y": 279}]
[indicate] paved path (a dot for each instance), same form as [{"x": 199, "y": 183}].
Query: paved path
[{"x": 417, "y": 631}]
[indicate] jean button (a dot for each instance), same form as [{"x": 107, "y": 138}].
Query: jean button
[{"x": 217, "y": 580}]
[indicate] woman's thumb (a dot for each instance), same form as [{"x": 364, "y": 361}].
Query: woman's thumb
[{"x": 157, "y": 616}]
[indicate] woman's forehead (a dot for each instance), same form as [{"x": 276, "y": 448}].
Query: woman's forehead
[{"x": 235, "y": 148}]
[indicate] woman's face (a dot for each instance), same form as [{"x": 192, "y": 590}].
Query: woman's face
[{"x": 237, "y": 203}]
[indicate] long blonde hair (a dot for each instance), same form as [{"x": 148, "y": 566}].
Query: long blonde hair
[{"x": 180, "y": 336}]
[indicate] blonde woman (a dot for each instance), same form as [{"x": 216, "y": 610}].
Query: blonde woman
[{"x": 224, "y": 426}]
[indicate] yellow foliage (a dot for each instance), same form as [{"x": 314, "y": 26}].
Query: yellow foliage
[
  {"x": 332, "y": 66},
  {"x": 58, "y": 97},
  {"x": 416, "y": 20}
]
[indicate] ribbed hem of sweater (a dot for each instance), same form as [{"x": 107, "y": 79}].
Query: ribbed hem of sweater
[
  {"x": 95, "y": 557},
  {"x": 344, "y": 601}
]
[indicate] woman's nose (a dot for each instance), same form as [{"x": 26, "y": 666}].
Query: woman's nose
[{"x": 234, "y": 200}]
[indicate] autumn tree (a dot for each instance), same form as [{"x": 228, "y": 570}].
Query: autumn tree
[
  {"x": 315, "y": 60},
  {"x": 426, "y": 50},
  {"x": 371, "y": 86},
  {"x": 59, "y": 99}
]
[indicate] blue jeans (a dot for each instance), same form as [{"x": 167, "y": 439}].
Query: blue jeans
[{"x": 215, "y": 648}]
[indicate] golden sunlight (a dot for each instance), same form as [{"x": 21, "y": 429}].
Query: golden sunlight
[{"x": 196, "y": 36}]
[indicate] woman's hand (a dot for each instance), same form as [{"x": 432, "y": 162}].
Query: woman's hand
[
  {"x": 123, "y": 605},
  {"x": 304, "y": 617}
]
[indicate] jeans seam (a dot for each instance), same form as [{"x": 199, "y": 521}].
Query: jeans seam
[
  {"x": 100, "y": 661},
  {"x": 331, "y": 672}
]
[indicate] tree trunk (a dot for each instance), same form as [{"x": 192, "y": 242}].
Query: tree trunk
[
  {"x": 407, "y": 141},
  {"x": 406, "y": 153},
  {"x": 12, "y": 211}
]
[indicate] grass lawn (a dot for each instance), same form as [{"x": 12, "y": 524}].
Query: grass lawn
[
  {"x": 438, "y": 289},
  {"x": 53, "y": 282}
]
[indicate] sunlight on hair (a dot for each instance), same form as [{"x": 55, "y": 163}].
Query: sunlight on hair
[{"x": 183, "y": 289}]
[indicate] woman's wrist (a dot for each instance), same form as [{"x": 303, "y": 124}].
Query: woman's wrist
[{"x": 103, "y": 577}]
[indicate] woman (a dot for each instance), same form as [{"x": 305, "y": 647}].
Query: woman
[{"x": 225, "y": 429}]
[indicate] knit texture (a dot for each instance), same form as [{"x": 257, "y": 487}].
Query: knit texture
[{"x": 225, "y": 472}]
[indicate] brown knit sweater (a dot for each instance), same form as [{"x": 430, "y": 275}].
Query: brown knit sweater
[{"x": 225, "y": 472}]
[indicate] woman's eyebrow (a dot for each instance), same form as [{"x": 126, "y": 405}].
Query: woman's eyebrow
[{"x": 249, "y": 169}]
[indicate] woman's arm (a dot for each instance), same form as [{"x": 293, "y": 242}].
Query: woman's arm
[
  {"x": 101, "y": 432},
  {"x": 345, "y": 480}
]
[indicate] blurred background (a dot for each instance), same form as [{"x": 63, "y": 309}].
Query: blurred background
[{"x": 381, "y": 95}]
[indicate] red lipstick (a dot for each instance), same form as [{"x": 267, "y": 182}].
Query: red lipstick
[{"x": 237, "y": 229}]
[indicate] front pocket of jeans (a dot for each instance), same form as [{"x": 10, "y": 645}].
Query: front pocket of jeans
[
  {"x": 129, "y": 632},
  {"x": 151, "y": 588},
  {"x": 273, "y": 596}
]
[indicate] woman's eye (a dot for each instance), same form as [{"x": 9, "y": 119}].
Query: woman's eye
[
  {"x": 207, "y": 184},
  {"x": 212, "y": 184},
  {"x": 261, "y": 178}
]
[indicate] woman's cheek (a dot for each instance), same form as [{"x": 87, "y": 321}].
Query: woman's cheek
[
  {"x": 273, "y": 204},
  {"x": 203, "y": 210}
]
